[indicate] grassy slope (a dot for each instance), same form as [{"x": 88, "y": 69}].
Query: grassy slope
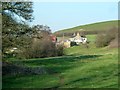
[
  {"x": 81, "y": 67},
  {"x": 92, "y": 27}
]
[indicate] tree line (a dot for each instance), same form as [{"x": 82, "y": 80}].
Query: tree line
[{"x": 16, "y": 32}]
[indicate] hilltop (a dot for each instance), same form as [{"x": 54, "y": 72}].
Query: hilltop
[{"x": 94, "y": 27}]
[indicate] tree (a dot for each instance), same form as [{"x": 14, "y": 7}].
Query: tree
[
  {"x": 41, "y": 31},
  {"x": 22, "y": 9},
  {"x": 13, "y": 30}
]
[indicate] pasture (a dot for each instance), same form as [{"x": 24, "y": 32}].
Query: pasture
[
  {"x": 33, "y": 57},
  {"x": 99, "y": 26},
  {"x": 80, "y": 67}
]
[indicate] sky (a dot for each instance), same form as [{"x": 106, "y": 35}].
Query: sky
[{"x": 63, "y": 15}]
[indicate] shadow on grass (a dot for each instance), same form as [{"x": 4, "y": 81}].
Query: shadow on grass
[{"x": 58, "y": 64}]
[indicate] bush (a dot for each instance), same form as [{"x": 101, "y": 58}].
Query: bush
[
  {"x": 43, "y": 48},
  {"x": 60, "y": 50},
  {"x": 101, "y": 40},
  {"x": 104, "y": 39}
]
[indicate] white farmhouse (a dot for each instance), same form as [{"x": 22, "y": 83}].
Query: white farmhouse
[{"x": 79, "y": 39}]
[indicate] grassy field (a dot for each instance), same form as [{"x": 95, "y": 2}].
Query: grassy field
[
  {"x": 100, "y": 26},
  {"x": 80, "y": 68}
]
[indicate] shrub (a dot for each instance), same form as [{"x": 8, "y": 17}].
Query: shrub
[
  {"x": 60, "y": 50},
  {"x": 104, "y": 39},
  {"x": 43, "y": 48},
  {"x": 101, "y": 41}
]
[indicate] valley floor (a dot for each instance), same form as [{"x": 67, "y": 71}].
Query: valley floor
[{"x": 80, "y": 68}]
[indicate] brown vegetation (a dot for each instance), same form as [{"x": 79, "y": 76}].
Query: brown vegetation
[
  {"x": 106, "y": 38},
  {"x": 42, "y": 48}
]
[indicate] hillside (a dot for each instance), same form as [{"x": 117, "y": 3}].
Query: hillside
[
  {"x": 80, "y": 67},
  {"x": 97, "y": 68},
  {"x": 99, "y": 26}
]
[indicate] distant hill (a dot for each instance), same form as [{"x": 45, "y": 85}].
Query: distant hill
[{"x": 94, "y": 27}]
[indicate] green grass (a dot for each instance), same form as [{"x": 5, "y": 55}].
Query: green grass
[
  {"x": 81, "y": 68},
  {"x": 92, "y": 50},
  {"x": 91, "y": 38},
  {"x": 99, "y": 26}
]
